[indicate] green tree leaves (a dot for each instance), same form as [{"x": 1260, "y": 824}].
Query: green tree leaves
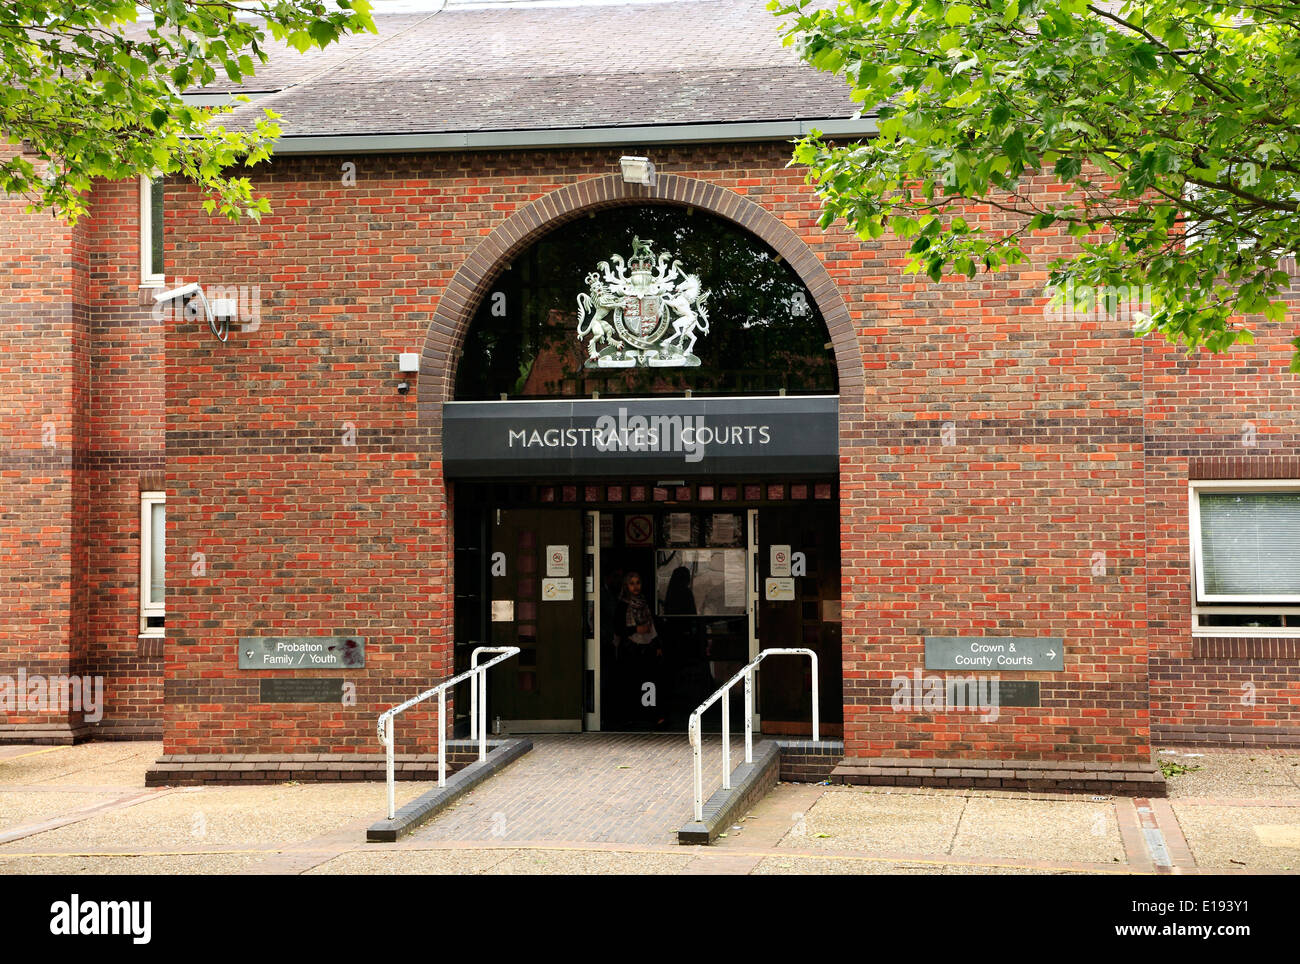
[
  {"x": 95, "y": 88},
  {"x": 1173, "y": 125}
]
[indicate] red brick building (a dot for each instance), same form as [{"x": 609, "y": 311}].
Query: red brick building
[{"x": 995, "y": 473}]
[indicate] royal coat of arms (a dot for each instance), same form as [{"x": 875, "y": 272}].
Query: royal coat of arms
[{"x": 630, "y": 306}]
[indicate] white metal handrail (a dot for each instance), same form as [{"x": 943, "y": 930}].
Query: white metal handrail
[
  {"x": 724, "y": 693},
  {"x": 478, "y": 707},
  {"x": 478, "y": 697}
]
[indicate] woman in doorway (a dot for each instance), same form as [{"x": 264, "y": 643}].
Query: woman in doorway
[
  {"x": 683, "y": 662},
  {"x": 679, "y": 600},
  {"x": 638, "y": 647}
]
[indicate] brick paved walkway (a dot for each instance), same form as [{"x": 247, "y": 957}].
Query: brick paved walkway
[{"x": 628, "y": 788}]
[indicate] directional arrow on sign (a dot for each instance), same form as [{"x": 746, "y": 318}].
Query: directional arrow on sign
[{"x": 1051, "y": 654}]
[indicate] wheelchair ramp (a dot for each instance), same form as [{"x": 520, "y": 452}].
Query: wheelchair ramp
[{"x": 629, "y": 788}]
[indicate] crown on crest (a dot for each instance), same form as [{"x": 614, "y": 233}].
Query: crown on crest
[{"x": 643, "y": 258}]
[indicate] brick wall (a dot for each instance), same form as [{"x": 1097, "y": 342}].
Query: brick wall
[
  {"x": 303, "y": 532},
  {"x": 306, "y": 534},
  {"x": 1230, "y": 417},
  {"x": 1002, "y": 454},
  {"x": 992, "y": 459},
  {"x": 295, "y": 480}
]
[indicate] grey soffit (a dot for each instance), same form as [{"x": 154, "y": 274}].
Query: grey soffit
[{"x": 490, "y": 71}]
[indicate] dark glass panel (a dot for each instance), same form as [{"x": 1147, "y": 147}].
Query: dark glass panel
[
  {"x": 766, "y": 334},
  {"x": 156, "y": 225}
]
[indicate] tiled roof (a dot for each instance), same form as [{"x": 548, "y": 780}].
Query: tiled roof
[{"x": 543, "y": 67}]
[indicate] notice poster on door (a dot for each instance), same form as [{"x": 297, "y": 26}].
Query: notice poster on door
[
  {"x": 699, "y": 582},
  {"x": 557, "y": 590},
  {"x": 679, "y": 529},
  {"x": 734, "y": 581},
  {"x": 780, "y": 561},
  {"x": 724, "y": 529},
  {"x": 557, "y": 560},
  {"x": 779, "y": 590}
]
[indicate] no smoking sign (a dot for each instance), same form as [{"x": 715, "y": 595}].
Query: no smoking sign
[
  {"x": 638, "y": 530},
  {"x": 557, "y": 560}
]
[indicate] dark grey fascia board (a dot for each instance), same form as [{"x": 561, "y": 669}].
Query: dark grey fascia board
[{"x": 570, "y": 137}]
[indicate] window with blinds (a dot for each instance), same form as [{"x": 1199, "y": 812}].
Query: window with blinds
[{"x": 1248, "y": 546}]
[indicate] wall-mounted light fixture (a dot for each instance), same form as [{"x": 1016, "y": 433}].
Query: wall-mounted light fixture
[
  {"x": 638, "y": 170},
  {"x": 408, "y": 363}
]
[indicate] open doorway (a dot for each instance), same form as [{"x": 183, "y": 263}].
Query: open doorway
[{"x": 674, "y": 614}]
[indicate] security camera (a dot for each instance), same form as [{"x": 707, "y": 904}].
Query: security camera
[
  {"x": 185, "y": 291},
  {"x": 218, "y": 322}
]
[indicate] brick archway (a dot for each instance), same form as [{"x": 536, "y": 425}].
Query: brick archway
[{"x": 471, "y": 282}]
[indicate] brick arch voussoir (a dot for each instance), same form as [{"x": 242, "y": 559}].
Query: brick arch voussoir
[{"x": 476, "y": 275}]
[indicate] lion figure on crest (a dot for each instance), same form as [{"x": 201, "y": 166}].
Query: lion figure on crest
[{"x": 594, "y": 307}]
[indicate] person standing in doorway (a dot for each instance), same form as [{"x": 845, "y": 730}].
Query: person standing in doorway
[{"x": 638, "y": 644}]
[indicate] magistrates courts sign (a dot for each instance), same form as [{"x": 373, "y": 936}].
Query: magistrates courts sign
[{"x": 591, "y": 437}]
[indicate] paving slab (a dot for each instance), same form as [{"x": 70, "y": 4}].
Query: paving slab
[
  {"x": 1068, "y": 829},
  {"x": 104, "y": 764},
  {"x": 1282, "y": 835},
  {"x": 1229, "y": 837},
  {"x": 782, "y": 810},
  {"x": 194, "y": 818},
  {"x": 852, "y": 818},
  {"x": 23, "y": 808},
  {"x": 969, "y": 824}
]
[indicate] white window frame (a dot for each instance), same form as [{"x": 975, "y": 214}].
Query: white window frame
[
  {"x": 1192, "y": 192},
  {"x": 151, "y": 275},
  {"x": 148, "y": 608},
  {"x": 1272, "y": 604}
]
